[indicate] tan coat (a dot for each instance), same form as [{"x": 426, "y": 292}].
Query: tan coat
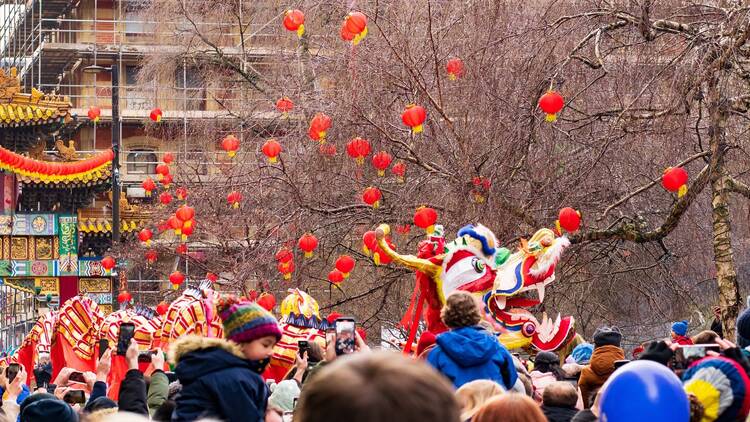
[{"x": 598, "y": 371}]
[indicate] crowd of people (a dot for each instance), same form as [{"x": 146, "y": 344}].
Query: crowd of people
[{"x": 464, "y": 374}]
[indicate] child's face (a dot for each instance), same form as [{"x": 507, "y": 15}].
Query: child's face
[{"x": 259, "y": 349}]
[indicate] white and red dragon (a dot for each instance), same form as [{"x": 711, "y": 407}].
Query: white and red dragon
[{"x": 504, "y": 282}]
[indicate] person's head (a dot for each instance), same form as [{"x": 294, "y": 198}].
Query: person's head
[
  {"x": 42, "y": 409},
  {"x": 250, "y": 326},
  {"x": 560, "y": 394},
  {"x": 460, "y": 310},
  {"x": 99, "y": 409},
  {"x": 510, "y": 408},
  {"x": 607, "y": 336},
  {"x": 548, "y": 362},
  {"x": 44, "y": 358},
  {"x": 680, "y": 328},
  {"x": 315, "y": 352},
  {"x": 473, "y": 395},
  {"x": 743, "y": 329},
  {"x": 380, "y": 386},
  {"x": 582, "y": 353},
  {"x": 705, "y": 337}
]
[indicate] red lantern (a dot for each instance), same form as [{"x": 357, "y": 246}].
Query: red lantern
[
  {"x": 124, "y": 297},
  {"x": 284, "y": 255},
  {"x": 675, "y": 179},
  {"x": 381, "y": 161},
  {"x": 155, "y": 115},
  {"x": 414, "y": 117},
  {"x": 108, "y": 263},
  {"x": 187, "y": 230},
  {"x": 230, "y": 144},
  {"x": 399, "y": 169},
  {"x": 379, "y": 257},
  {"x": 148, "y": 185},
  {"x": 425, "y": 218},
  {"x": 176, "y": 278},
  {"x": 345, "y": 264},
  {"x": 145, "y": 236},
  {"x": 569, "y": 219},
  {"x": 165, "y": 198},
  {"x": 234, "y": 198},
  {"x": 162, "y": 170},
  {"x": 346, "y": 35},
  {"x": 369, "y": 242},
  {"x": 151, "y": 256},
  {"x": 185, "y": 213},
  {"x": 271, "y": 149},
  {"x": 455, "y": 68},
  {"x": 181, "y": 249},
  {"x": 551, "y": 103},
  {"x": 266, "y": 301},
  {"x": 175, "y": 223},
  {"x": 94, "y": 114},
  {"x": 181, "y": 193},
  {"x": 294, "y": 20},
  {"x": 336, "y": 277},
  {"x": 355, "y": 23},
  {"x": 284, "y": 105},
  {"x": 162, "y": 308},
  {"x": 328, "y": 150},
  {"x": 319, "y": 126},
  {"x": 166, "y": 180},
  {"x": 308, "y": 243},
  {"x": 168, "y": 158},
  {"x": 286, "y": 269},
  {"x": 358, "y": 148},
  {"x": 372, "y": 196},
  {"x": 213, "y": 278}
]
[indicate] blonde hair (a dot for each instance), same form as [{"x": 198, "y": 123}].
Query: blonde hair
[{"x": 473, "y": 395}]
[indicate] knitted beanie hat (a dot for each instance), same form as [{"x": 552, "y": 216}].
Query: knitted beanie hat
[
  {"x": 607, "y": 336},
  {"x": 582, "y": 353},
  {"x": 680, "y": 327},
  {"x": 426, "y": 340},
  {"x": 743, "y": 329},
  {"x": 246, "y": 321},
  {"x": 721, "y": 386}
]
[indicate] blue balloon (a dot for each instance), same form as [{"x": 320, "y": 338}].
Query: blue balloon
[{"x": 644, "y": 391}]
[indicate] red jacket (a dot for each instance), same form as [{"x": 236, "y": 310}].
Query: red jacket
[{"x": 682, "y": 340}]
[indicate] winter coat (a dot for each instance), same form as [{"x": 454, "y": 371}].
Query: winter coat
[
  {"x": 585, "y": 415},
  {"x": 132, "y": 397},
  {"x": 157, "y": 391},
  {"x": 682, "y": 340},
  {"x": 471, "y": 353},
  {"x": 559, "y": 414},
  {"x": 602, "y": 365},
  {"x": 217, "y": 382},
  {"x": 540, "y": 380}
]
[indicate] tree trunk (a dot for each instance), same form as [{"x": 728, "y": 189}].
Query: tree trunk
[{"x": 726, "y": 274}]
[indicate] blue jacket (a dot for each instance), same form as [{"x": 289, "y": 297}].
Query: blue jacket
[
  {"x": 217, "y": 383},
  {"x": 471, "y": 353}
]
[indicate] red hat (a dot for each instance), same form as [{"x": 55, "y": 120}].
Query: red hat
[
  {"x": 426, "y": 340},
  {"x": 332, "y": 317}
]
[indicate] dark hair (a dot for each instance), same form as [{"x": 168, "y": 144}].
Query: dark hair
[
  {"x": 460, "y": 310},
  {"x": 373, "y": 387},
  {"x": 560, "y": 394},
  {"x": 705, "y": 337},
  {"x": 548, "y": 362}
]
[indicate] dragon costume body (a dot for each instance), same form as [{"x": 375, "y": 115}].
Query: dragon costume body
[
  {"x": 300, "y": 320},
  {"x": 505, "y": 282}
]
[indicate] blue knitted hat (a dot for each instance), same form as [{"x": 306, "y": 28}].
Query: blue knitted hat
[
  {"x": 743, "y": 329},
  {"x": 582, "y": 353},
  {"x": 680, "y": 327}
]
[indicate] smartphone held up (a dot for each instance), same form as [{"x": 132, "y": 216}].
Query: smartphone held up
[{"x": 345, "y": 336}]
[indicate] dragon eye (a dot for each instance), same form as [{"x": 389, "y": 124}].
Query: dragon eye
[
  {"x": 546, "y": 242},
  {"x": 478, "y": 265}
]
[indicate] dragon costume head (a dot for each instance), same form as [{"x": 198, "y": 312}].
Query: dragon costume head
[
  {"x": 475, "y": 263},
  {"x": 300, "y": 309}
]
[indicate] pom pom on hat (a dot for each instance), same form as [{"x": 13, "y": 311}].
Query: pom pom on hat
[
  {"x": 680, "y": 327},
  {"x": 720, "y": 385},
  {"x": 245, "y": 321},
  {"x": 582, "y": 353}
]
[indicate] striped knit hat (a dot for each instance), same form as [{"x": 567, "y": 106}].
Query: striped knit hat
[{"x": 246, "y": 321}]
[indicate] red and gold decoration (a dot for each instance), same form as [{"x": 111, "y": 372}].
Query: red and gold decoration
[
  {"x": 286, "y": 269},
  {"x": 162, "y": 308},
  {"x": 162, "y": 170},
  {"x": 151, "y": 256},
  {"x": 455, "y": 68},
  {"x": 175, "y": 279},
  {"x": 271, "y": 149},
  {"x": 481, "y": 189},
  {"x": 148, "y": 185},
  {"x": 308, "y": 243},
  {"x": 675, "y": 179},
  {"x": 155, "y": 115},
  {"x": 551, "y": 103},
  {"x": 414, "y": 117},
  {"x": 294, "y": 21},
  {"x": 284, "y": 105},
  {"x": 335, "y": 276},
  {"x": 168, "y": 158},
  {"x": 425, "y": 218},
  {"x": 212, "y": 277},
  {"x": 145, "y": 236},
  {"x": 372, "y": 196},
  {"x": 319, "y": 126},
  {"x": 266, "y": 301},
  {"x": 124, "y": 297},
  {"x": 345, "y": 264},
  {"x": 381, "y": 161},
  {"x": 354, "y": 28},
  {"x": 108, "y": 263},
  {"x": 569, "y": 220},
  {"x": 234, "y": 198},
  {"x": 165, "y": 198},
  {"x": 94, "y": 114},
  {"x": 181, "y": 192},
  {"x": 399, "y": 169},
  {"x": 230, "y": 144},
  {"x": 93, "y": 168},
  {"x": 358, "y": 148}
]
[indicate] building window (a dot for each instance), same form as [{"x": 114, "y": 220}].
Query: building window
[
  {"x": 190, "y": 81},
  {"x": 131, "y": 75},
  {"x": 142, "y": 162}
]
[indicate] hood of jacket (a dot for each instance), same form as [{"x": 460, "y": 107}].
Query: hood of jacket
[
  {"x": 198, "y": 356},
  {"x": 469, "y": 346},
  {"x": 603, "y": 359},
  {"x": 559, "y": 414}
]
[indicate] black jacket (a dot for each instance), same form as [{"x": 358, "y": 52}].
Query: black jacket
[
  {"x": 132, "y": 396},
  {"x": 217, "y": 382},
  {"x": 585, "y": 415},
  {"x": 559, "y": 414}
]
